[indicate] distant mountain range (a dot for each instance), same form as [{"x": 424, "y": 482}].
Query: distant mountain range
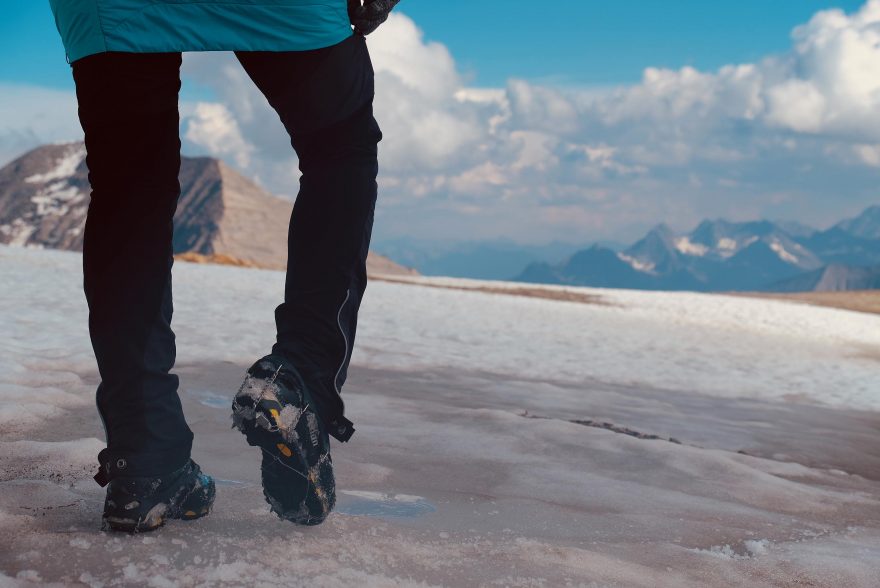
[
  {"x": 725, "y": 256},
  {"x": 221, "y": 215},
  {"x": 224, "y": 217},
  {"x": 718, "y": 255},
  {"x": 489, "y": 260}
]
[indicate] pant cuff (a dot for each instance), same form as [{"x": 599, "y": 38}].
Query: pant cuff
[{"x": 126, "y": 464}]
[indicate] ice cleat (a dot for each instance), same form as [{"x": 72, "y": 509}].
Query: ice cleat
[
  {"x": 135, "y": 504},
  {"x": 274, "y": 410}
]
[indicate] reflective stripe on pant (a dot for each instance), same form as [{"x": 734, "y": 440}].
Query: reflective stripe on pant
[{"x": 325, "y": 103}]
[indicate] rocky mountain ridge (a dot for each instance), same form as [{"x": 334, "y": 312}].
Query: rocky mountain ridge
[{"x": 221, "y": 216}]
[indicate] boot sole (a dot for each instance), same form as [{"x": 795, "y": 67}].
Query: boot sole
[{"x": 260, "y": 423}]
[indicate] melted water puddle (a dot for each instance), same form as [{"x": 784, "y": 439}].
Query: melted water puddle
[
  {"x": 212, "y": 399},
  {"x": 378, "y": 504},
  {"x": 232, "y": 484}
]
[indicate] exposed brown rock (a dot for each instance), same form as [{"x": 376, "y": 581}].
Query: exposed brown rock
[
  {"x": 214, "y": 258},
  {"x": 857, "y": 300},
  {"x": 222, "y": 217},
  {"x": 550, "y": 293}
]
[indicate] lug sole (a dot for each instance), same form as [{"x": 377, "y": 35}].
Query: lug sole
[{"x": 261, "y": 423}]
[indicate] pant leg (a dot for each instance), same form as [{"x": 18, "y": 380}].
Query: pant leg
[
  {"x": 324, "y": 99},
  {"x": 128, "y": 111}
]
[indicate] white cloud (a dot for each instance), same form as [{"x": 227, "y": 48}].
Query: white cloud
[
  {"x": 399, "y": 50},
  {"x": 793, "y": 135},
  {"x": 868, "y": 154},
  {"x": 798, "y": 105},
  {"x": 213, "y": 127}
]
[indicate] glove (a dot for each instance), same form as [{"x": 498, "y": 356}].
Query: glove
[{"x": 366, "y": 18}]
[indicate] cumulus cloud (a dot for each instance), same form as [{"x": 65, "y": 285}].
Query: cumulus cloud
[
  {"x": 212, "y": 126},
  {"x": 538, "y": 162},
  {"x": 793, "y": 135}
]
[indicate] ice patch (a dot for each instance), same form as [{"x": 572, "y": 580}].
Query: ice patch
[
  {"x": 60, "y": 461},
  {"x": 29, "y": 399},
  {"x": 750, "y": 548},
  {"x": 378, "y": 504},
  {"x": 26, "y": 415},
  {"x": 80, "y": 543},
  {"x": 408, "y": 498},
  {"x": 90, "y": 580},
  {"x": 235, "y": 484},
  {"x": 29, "y": 576},
  {"x": 756, "y": 547},
  {"x": 213, "y": 400}
]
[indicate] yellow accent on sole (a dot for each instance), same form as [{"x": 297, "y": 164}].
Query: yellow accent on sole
[
  {"x": 274, "y": 413},
  {"x": 190, "y": 513},
  {"x": 285, "y": 450}
]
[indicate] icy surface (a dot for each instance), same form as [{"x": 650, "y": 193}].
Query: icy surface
[
  {"x": 708, "y": 343},
  {"x": 774, "y": 480},
  {"x": 682, "y": 341}
]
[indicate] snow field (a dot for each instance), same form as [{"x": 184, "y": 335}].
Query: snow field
[{"x": 468, "y": 491}]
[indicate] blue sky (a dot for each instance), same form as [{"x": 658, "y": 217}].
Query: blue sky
[
  {"x": 608, "y": 41},
  {"x": 569, "y": 42},
  {"x": 580, "y": 120}
]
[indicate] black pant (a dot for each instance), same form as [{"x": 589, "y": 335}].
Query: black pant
[{"x": 128, "y": 110}]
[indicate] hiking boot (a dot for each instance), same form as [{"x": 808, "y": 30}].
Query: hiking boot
[
  {"x": 275, "y": 411},
  {"x": 136, "y": 504}
]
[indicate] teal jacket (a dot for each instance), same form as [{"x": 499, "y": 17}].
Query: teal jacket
[{"x": 151, "y": 26}]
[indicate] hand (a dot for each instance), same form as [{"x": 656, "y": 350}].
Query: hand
[{"x": 366, "y": 18}]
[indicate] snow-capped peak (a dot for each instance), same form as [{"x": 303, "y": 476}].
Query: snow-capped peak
[
  {"x": 65, "y": 166},
  {"x": 688, "y": 247},
  {"x": 726, "y": 244},
  {"x": 780, "y": 250},
  {"x": 637, "y": 265}
]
